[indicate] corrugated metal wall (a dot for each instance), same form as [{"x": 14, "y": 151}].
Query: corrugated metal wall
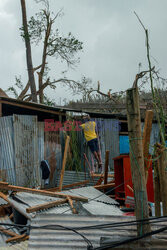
[
  {"x": 7, "y": 155},
  {"x": 23, "y": 144},
  {"x": 108, "y": 136},
  {"x": 26, "y": 150},
  {"x": 53, "y": 154}
]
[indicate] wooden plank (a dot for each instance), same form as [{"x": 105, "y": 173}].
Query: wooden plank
[
  {"x": 163, "y": 180},
  {"x": 104, "y": 186},
  {"x": 64, "y": 162},
  {"x": 3, "y": 196},
  {"x": 69, "y": 185},
  {"x": 8, "y": 232},
  {"x": 18, "y": 238},
  {"x": 146, "y": 138},
  {"x": 41, "y": 192},
  {"x": 106, "y": 166},
  {"x": 46, "y": 205},
  {"x": 71, "y": 205},
  {"x": 137, "y": 159}
]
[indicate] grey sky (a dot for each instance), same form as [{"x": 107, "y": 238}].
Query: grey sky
[{"x": 114, "y": 41}]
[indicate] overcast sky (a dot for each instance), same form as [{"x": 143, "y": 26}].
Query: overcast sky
[{"x": 113, "y": 39}]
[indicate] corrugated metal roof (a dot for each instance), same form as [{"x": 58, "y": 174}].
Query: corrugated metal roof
[
  {"x": 92, "y": 193},
  {"x": 100, "y": 205},
  {"x": 66, "y": 239},
  {"x": 33, "y": 200}
]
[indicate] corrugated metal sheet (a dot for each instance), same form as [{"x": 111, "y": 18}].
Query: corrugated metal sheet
[
  {"x": 3, "y": 202},
  {"x": 26, "y": 150},
  {"x": 7, "y": 156},
  {"x": 100, "y": 203},
  {"x": 53, "y": 154},
  {"x": 66, "y": 239},
  {"x": 73, "y": 176},
  {"x": 92, "y": 193},
  {"x": 41, "y": 140},
  {"x": 33, "y": 200},
  {"x": 18, "y": 246}
]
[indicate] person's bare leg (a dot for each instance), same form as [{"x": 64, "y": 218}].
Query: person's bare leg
[{"x": 96, "y": 156}]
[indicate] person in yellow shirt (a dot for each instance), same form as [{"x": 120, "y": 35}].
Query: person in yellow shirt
[{"x": 89, "y": 128}]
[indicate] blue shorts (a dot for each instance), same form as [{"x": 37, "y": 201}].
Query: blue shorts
[{"x": 93, "y": 145}]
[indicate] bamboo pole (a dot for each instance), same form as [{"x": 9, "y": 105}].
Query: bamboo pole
[
  {"x": 64, "y": 162},
  {"x": 137, "y": 159},
  {"x": 157, "y": 192},
  {"x": 162, "y": 176}
]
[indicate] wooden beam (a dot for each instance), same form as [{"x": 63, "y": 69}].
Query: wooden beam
[
  {"x": 137, "y": 159},
  {"x": 3, "y": 196},
  {"x": 71, "y": 205},
  {"x": 46, "y": 205},
  {"x": 106, "y": 166},
  {"x": 163, "y": 180},
  {"x": 157, "y": 191},
  {"x": 104, "y": 186},
  {"x": 8, "y": 232},
  {"x": 18, "y": 238},
  {"x": 146, "y": 138},
  {"x": 6, "y": 186},
  {"x": 64, "y": 162}
]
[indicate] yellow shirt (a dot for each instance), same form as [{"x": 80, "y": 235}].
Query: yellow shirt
[{"x": 89, "y": 130}]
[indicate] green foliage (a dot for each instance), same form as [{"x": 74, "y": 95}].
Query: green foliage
[{"x": 74, "y": 160}]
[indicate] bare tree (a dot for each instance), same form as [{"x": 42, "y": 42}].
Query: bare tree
[{"x": 28, "y": 53}]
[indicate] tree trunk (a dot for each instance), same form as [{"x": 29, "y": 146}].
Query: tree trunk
[
  {"x": 28, "y": 53},
  {"x": 137, "y": 160}
]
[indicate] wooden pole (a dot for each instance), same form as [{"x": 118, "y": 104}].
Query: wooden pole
[
  {"x": 162, "y": 176},
  {"x": 71, "y": 205},
  {"x": 146, "y": 139},
  {"x": 64, "y": 162},
  {"x": 137, "y": 159},
  {"x": 106, "y": 166},
  {"x": 157, "y": 192}
]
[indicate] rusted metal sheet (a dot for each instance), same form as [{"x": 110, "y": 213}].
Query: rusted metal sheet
[
  {"x": 53, "y": 154},
  {"x": 7, "y": 157},
  {"x": 26, "y": 150}
]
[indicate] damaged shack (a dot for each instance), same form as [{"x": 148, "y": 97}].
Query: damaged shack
[{"x": 78, "y": 200}]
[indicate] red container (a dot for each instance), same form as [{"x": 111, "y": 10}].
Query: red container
[{"x": 123, "y": 180}]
